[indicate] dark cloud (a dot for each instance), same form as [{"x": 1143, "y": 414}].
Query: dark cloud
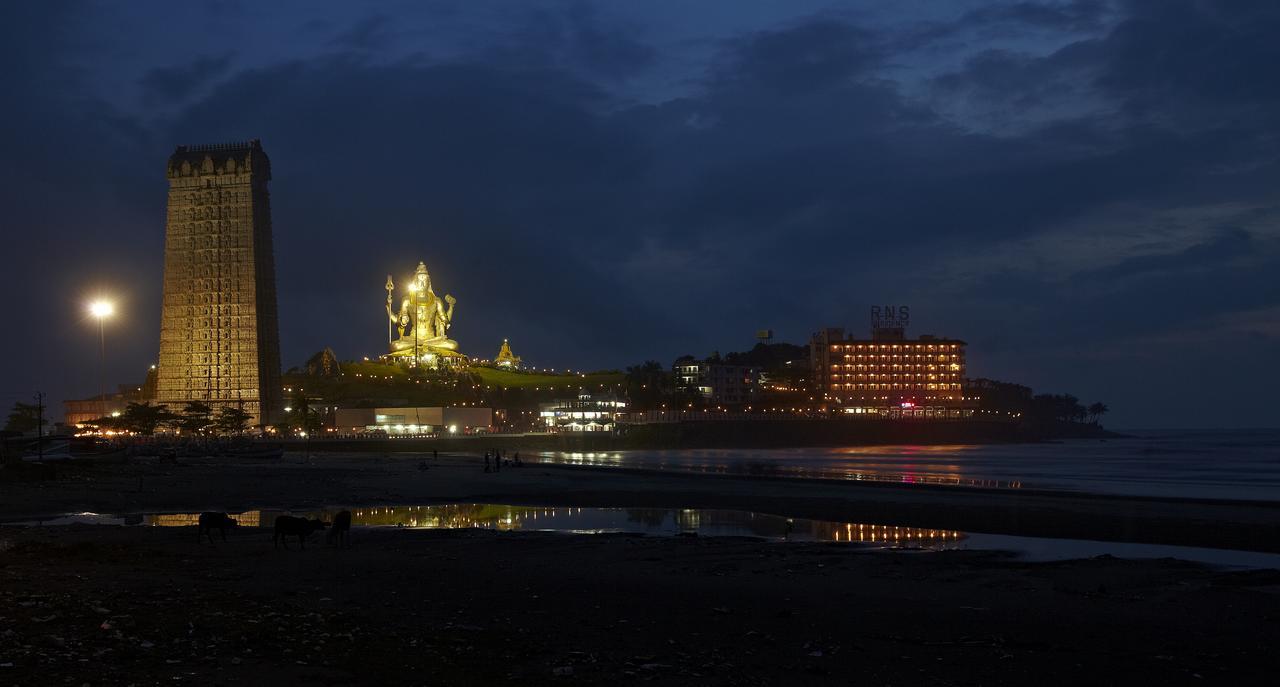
[
  {"x": 370, "y": 33},
  {"x": 1019, "y": 85},
  {"x": 175, "y": 84},
  {"x": 818, "y": 54},
  {"x": 1231, "y": 244},
  {"x": 574, "y": 39},
  {"x": 605, "y": 49},
  {"x": 1074, "y": 15},
  {"x": 1194, "y": 63},
  {"x": 1178, "y": 64}
]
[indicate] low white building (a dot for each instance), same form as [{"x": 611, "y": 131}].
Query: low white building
[{"x": 414, "y": 420}]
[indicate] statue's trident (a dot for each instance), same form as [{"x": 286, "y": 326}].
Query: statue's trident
[{"x": 391, "y": 287}]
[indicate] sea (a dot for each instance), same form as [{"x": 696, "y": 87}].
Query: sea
[{"x": 1237, "y": 464}]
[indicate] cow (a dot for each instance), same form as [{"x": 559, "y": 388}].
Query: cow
[
  {"x": 214, "y": 521},
  {"x": 288, "y": 526},
  {"x": 340, "y": 530}
]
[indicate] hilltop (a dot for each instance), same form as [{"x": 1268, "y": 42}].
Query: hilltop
[{"x": 368, "y": 383}]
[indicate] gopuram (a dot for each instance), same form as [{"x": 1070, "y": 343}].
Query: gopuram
[
  {"x": 219, "y": 342},
  {"x": 422, "y": 325}
]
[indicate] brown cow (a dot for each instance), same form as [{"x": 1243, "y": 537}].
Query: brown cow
[
  {"x": 288, "y": 526},
  {"x": 211, "y": 521}
]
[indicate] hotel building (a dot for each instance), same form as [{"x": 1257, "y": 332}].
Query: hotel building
[
  {"x": 889, "y": 375},
  {"x": 716, "y": 382}
]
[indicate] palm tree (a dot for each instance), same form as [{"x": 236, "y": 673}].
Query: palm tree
[{"x": 1097, "y": 410}]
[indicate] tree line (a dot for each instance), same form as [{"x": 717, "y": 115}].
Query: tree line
[
  {"x": 1065, "y": 408},
  {"x": 195, "y": 417}
]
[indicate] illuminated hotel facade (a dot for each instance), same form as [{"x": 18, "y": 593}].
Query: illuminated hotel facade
[{"x": 889, "y": 375}]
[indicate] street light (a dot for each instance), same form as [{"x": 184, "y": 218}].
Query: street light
[{"x": 102, "y": 310}]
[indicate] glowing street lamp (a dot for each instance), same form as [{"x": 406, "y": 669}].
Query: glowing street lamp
[{"x": 102, "y": 310}]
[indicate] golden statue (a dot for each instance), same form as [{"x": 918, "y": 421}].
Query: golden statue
[{"x": 422, "y": 322}]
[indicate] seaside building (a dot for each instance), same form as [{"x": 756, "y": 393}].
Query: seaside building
[
  {"x": 413, "y": 420},
  {"x": 888, "y": 374},
  {"x": 586, "y": 413},
  {"x": 219, "y": 338},
  {"x": 716, "y": 382}
]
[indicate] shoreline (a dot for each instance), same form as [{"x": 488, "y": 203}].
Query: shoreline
[
  {"x": 733, "y": 434},
  {"x": 327, "y": 480}
]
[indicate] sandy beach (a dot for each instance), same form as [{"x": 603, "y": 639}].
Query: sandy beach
[{"x": 144, "y": 605}]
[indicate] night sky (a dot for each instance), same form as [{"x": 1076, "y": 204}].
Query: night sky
[{"x": 1085, "y": 191}]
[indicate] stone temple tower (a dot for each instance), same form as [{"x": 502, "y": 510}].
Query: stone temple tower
[{"x": 219, "y": 340}]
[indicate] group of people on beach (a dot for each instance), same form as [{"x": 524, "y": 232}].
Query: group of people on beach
[
  {"x": 499, "y": 457},
  {"x": 494, "y": 460}
]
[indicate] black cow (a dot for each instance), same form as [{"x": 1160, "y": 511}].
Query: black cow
[
  {"x": 340, "y": 530},
  {"x": 214, "y": 521},
  {"x": 288, "y": 526}
]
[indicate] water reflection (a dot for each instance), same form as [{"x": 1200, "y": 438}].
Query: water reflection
[
  {"x": 653, "y": 521},
  {"x": 250, "y": 518},
  {"x": 1226, "y": 464},
  {"x": 904, "y": 464},
  {"x": 705, "y": 522}
]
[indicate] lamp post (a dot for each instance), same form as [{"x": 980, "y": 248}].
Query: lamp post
[{"x": 102, "y": 310}]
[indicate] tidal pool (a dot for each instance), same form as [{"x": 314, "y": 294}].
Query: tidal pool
[{"x": 689, "y": 521}]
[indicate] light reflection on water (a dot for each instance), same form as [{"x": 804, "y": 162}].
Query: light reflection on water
[
  {"x": 704, "y": 522},
  {"x": 650, "y": 521},
  {"x": 1218, "y": 464},
  {"x": 865, "y": 464}
]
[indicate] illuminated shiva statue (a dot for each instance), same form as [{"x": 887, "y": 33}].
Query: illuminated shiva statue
[{"x": 422, "y": 323}]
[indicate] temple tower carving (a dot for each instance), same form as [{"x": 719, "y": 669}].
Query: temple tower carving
[{"x": 219, "y": 337}]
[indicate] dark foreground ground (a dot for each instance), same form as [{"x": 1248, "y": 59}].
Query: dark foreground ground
[{"x": 107, "y": 605}]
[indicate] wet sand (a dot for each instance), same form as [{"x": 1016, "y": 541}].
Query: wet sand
[
  {"x": 356, "y": 480},
  {"x": 145, "y": 605}
]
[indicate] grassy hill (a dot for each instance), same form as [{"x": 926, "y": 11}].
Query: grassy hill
[
  {"x": 367, "y": 383},
  {"x": 508, "y": 379}
]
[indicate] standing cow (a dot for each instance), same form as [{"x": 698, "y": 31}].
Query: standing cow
[
  {"x": 289, "y": 526},
  {"x": 214, "y": 521}
]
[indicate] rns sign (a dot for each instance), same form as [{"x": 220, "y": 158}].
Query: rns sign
[{"x": 890, "y": 315}]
